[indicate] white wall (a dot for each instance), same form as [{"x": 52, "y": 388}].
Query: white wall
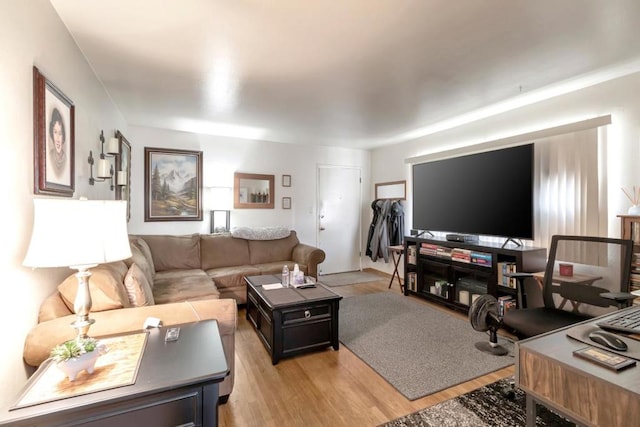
[
  {"x": 32, "y": 34},
  {"x": 221, "y": 158},
  {"x": 617, "y": 97}
]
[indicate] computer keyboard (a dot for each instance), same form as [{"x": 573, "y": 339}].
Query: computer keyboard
[{"x": 627, "y": 321}]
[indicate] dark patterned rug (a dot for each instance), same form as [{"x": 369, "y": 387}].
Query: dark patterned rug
[{"x": 486, "y": 406}]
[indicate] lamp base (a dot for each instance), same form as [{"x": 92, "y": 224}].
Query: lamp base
[{"x": 82, "y": 304}]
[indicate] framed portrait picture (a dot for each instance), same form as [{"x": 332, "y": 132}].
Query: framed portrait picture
[
  {"x": 286, "y": 180},
  {"x": 286, "y": 203},
  {"x": 123, "y": 176},
  {"x": 172, "y": 185},
  {"x": 54, "y": 139}
]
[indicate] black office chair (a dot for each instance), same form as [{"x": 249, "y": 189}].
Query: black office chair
[{"x": 585, "y": 277}]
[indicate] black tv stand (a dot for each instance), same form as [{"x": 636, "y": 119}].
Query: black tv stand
[
  {"x": 511, "y": 239},
  {"x": 455, "y": 273}
]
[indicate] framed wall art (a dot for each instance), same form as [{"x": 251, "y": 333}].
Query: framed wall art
[
  {"x": 123, "y": 174},
  {"x": 172, "y": 185},
  {"x": 53, "y": 139},
  {"x": 286, "y": 180},
  {"x": 253, "y": 191},
  {"x": 286, "y": 203}
]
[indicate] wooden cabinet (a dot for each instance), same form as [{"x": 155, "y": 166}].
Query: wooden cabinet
[
  {"x": 631, "y": 230},
  {"x": 453, "y": 273}
]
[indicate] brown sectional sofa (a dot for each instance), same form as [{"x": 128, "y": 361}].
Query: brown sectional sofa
[{"x": 191, "y": 277}]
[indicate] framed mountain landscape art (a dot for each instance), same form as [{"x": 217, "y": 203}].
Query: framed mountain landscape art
[{"x": 173, "y": 185}]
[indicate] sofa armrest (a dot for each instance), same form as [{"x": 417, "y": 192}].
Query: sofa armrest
[{"x": 309, "y": 256}]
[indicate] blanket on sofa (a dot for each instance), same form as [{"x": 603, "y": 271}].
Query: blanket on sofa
[{"x": 260, "y": 233}]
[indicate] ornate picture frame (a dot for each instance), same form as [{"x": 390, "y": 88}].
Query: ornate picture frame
[
  {"x": 53, "y": 139},
  {"x": 123, "y": 165},
  {"x": 172, "y": 185}
]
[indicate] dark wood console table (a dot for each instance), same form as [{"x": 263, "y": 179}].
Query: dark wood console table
[{"x": 177, "y": 384}]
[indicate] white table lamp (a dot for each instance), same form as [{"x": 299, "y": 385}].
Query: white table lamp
[{"x": 78, "y": 234}]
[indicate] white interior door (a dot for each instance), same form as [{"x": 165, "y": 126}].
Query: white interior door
[{"x": 339, "y": 230}]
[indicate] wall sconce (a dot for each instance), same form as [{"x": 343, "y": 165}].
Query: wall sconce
[{"x": 104, "y": 168}]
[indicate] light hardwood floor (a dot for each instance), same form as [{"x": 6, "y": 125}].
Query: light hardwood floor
[{"x": 324, "y": 388}]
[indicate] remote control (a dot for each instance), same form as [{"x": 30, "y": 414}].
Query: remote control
[{"x": 172, "y": 334}]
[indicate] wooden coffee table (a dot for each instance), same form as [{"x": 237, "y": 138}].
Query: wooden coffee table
[{"x": 291, "y": 321}]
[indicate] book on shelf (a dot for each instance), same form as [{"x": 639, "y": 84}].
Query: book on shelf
[
  {"x": 481, "y": 258},
  {"x": 413, "y": 280},
  {"x": 461, "y": 255},
  {"x": 444, "y": 252},
  {"x": 503, "y": 269},
  {"x": 506, "y": 303},
  {"x": 411, "y": 254},
  {"x": 428, "y": 249}
]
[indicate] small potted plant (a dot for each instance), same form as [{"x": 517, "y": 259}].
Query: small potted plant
[{"x": 76, "y": 355}]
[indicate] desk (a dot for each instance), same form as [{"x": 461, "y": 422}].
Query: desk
[
  {"x": 574, "y": 279},
  {"x": 177, "y": 384},
  {"x": 396, "y": 256},
  {"x": 549, "y": 374}
]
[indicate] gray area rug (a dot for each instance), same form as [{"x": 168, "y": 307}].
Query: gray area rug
[
  {"x": 484, "y": 407},
  {"x": 417, "y": 349},
  {"x": 349, "y": 278}
]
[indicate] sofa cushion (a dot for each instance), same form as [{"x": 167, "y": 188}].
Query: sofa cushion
[
  {"x": 45, "y": 335},
  {"x": 137, "y": 257},
  {"x": 222, "y": 250},
  {"x": 266, "y": 251},
  {"x": 146, "y": 251},
  {"x": 174, "y": 252},
  {"x": 105, "y": 285},
  {"x": 138, "y": 287},
  {"x": 276, "y": 268},
  {"x": 231, "y": 277},
  {"x": 183, "y": 285}
]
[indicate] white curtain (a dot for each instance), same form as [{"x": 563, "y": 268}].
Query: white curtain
[{"x": 569, "y": 187}]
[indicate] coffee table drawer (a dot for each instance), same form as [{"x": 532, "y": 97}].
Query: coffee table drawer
[
  {"x": 303, "y": 336},
  {"x": 307, "y": 313}
]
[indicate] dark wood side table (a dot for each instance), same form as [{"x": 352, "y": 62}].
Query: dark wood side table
[
  {"x": 291, "y": 321},
  {"x": 177, "y": 384}
]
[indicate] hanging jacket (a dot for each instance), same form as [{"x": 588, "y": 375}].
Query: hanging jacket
[
  {"x": 380, "y": 239},
  {"x": 396, "y": 224},
  {"x": 372, "y": 227}
]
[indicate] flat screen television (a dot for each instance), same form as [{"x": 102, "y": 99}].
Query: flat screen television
[{"x": 489, "y": 193}]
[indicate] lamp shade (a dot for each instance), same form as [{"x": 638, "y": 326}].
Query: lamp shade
[
  {"x": 71, "y": 233},
  {"x": 113, "y": 146}
]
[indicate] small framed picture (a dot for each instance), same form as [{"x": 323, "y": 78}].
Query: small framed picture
[
  {"x": 286, "y": 203},
  {"x": 286, "y": 180},
  {"x": 54, "y": 139}
]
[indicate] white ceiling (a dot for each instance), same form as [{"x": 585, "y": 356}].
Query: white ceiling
[{"x": 353, "y": 73}]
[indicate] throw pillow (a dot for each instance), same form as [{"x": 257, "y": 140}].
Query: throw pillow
[
  {"x": 105, "y": 286},
  {"x": 146, "y": 251},
  {"x": 137, "y": 257},
  {"x": 137, "y": 287}
]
